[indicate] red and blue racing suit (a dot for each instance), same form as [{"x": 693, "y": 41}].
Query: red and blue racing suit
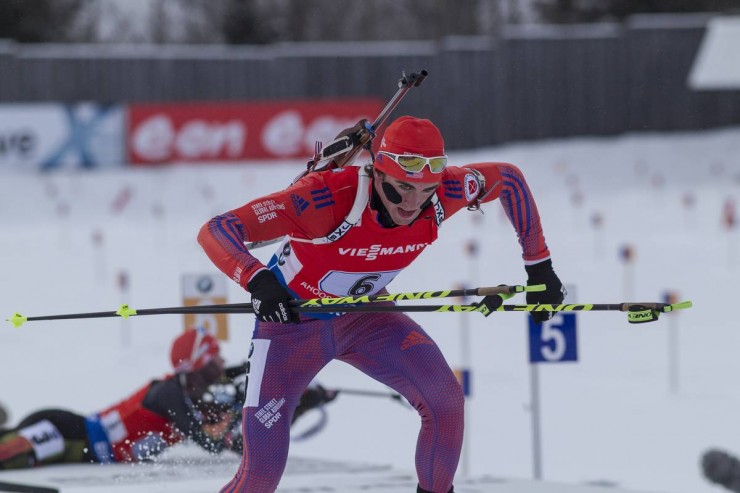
[{"x": 389, "y": 347}]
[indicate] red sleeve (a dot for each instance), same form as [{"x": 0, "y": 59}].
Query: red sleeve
[
  {"x": 309, "y": 208},
  {"x": 505, "y": 182}
]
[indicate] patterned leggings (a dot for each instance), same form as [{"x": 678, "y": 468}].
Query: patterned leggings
[{"x": 388, "y": 347}]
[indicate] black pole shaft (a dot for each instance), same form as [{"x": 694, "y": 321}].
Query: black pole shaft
[
  {"x": 448, "y": 293},
  {"x": 362, "y": 308}
]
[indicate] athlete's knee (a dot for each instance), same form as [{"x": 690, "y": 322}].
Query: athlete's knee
[
  {"x": 450, "y": 398},
  {"x": 445, "y": 404}
]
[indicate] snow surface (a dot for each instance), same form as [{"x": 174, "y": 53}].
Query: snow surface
[{"x": 613, "y": 418}]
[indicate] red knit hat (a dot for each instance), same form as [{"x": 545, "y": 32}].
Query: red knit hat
[
  {"x": 193, "y": 350},
  {"x": 415, "y": 136}
]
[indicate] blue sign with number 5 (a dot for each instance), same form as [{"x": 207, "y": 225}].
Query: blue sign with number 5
[{"x": 553, "y": 341}]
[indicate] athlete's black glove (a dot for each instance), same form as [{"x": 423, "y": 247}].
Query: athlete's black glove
[
  {"x": 554, "y": 293},
  {"x": 270, "y": 299},
  {"x": 317, "y": 395},
  {"x": 314, "y": 396},
  {"x": 359, "y": 134},
  {"x": 721, "y": 468}
]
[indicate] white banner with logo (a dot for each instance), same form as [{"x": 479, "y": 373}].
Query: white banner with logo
[{"x": 51, "y": 136}]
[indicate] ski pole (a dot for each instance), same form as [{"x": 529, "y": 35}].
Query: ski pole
[
  {"x": 422, "y": 295},
  {"x": 637, "y": 312},
  {"x": 418, "y": 295},
  {"x": 303, "y": 305}
]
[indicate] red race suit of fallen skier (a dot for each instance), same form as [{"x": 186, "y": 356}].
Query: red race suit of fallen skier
[
  {"x": 130, "y": 426},
  {"x": 389, "y": 347}
]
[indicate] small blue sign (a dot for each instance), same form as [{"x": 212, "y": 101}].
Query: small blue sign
[
  {"x": 554, "y": 341},
  {"x": 463, "y": 377}
]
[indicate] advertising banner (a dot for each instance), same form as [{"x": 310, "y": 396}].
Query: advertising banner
[
  {"x": 50, "y": 136},
  {"x": 237, "y": 131}
]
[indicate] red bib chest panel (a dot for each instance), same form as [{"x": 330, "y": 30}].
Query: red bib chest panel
[
  {"x": 363, "y": 261},
  {"x": 128, "y": 421}
]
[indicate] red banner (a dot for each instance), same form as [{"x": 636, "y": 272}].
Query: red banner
[{"x": 202, "y": 132}]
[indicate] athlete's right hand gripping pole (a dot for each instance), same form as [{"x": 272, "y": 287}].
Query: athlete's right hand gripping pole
[{"x": 344, "y": 149}]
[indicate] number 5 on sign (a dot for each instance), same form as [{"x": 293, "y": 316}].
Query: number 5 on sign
[{"x": 554, "y": 341}]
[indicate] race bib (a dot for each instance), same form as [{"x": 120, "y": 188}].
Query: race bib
[
  {"x": 340, "y": 283},
  {"x": 45, "y": 439}
]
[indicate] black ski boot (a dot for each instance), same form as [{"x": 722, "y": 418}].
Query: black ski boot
[
  {"x": 420, "y": 490},
  {"x": 721, "y": 468}
]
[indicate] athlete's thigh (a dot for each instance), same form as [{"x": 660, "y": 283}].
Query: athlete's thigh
[
  {"x": 283, "y": 359},
  {"x": 396, "y": 351}
]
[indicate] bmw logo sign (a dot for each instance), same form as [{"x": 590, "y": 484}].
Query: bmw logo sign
[{"x": 204, "y": 284}]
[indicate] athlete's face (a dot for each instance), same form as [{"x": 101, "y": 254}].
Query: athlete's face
[{"x": 403, "y": 199}]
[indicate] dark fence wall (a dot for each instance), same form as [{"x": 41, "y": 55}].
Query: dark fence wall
[{"x": 529, "y": 83}]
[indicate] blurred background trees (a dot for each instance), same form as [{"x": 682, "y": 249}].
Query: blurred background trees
[
  {"x": 271, "y": 21},
  {"x": 33, "y": 21}
]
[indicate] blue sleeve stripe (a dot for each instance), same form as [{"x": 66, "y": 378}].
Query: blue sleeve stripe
[
  {"x": 522, "y": 197},
  {"x": 319, "y": 198},
  {"x": 515, "y": 216},
  {"x": 226, "y": 230},
  {"x": 321, "y": 205}
]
